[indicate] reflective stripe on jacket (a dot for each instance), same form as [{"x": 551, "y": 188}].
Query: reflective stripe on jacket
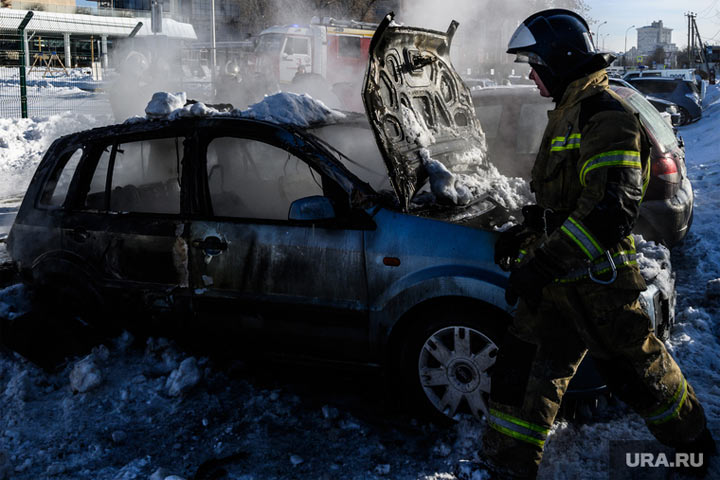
[{"x": 595, "y": 176}]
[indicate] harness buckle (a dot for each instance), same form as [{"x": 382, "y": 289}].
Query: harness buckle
[{"x": 612, "y": 266}]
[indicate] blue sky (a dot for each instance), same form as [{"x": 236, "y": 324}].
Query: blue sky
[{"x": 622, "y": 14}]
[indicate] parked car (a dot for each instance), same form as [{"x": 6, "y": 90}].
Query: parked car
[
  {"x": 683, "y": 93},
  {"x": 514, "y": 119},
  {"x": 662, "y": 106},
  {"x": 262, "y": 231},
  {"x": 475, "y": 83}
]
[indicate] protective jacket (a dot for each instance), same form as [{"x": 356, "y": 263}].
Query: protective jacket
[{"x": 589, "y": 177}]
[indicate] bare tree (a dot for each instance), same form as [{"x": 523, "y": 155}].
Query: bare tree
[{"x": 658, "y": 57}]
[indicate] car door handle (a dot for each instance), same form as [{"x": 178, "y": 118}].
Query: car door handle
[
  {"x": 79, "y": 234},
  {"x": 210, "y": 245}
]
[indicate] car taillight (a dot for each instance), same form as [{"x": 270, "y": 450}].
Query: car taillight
[{"x": 664, "y": 178}]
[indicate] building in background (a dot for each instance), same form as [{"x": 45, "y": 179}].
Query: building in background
[{"x": 650, "y": 39}]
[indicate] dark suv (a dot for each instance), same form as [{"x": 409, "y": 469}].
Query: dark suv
[{"x": 683, "y": 93}]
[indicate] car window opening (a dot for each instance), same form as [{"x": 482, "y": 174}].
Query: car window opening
[
  {"x": 58, "y": 185},
  {"x": 252, "y": 179},
  {"x": 137, "y": 176}
]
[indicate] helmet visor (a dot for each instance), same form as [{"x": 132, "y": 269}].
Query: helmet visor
[
  {"x": 529, "y": 57},
  {"x": 521, "y": 38}
]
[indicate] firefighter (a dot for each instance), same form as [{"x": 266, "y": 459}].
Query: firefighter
[{"x": 573, "y": 263}]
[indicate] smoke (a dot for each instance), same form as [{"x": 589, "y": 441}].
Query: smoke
[
  {"x": 486, "y": 26},
  {"x": 147, "y": 65}
]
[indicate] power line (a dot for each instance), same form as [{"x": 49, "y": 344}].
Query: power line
[{"x": 706, "y": 10}]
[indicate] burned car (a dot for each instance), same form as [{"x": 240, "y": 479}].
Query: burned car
[{"x": 261, "y": 230}]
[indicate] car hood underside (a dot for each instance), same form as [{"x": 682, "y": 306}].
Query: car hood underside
[{"x": 419, "y": 109}]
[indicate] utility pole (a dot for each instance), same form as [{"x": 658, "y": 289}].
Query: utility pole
[{"x": 689, "y": 36}]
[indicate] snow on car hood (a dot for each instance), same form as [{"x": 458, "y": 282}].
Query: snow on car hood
[
  {"x": 283, "y": 108},
  {"x": 422, "y": 114}
]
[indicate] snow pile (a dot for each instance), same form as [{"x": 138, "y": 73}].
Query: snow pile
[
  {"x": 468, "y": 176},
  {"x": 290, "y": 109},
  {"x": 24, "y": 141},
  {"x": 655, "y": 266},
  {"x": 443, "y": 183},
  {"x": 283, "y": 108},
  {"x": 163, "y": 104}
]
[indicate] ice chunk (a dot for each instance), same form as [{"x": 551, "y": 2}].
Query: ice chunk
[
  {"x": 163, "y": 103},
  {"x": 296, "y": 460},
  {"x": 85, "y": 375},
  {"x": 185, "y": 377}
]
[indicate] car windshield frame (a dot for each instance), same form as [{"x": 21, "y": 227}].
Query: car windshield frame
[{"x": 270, "y": 43}]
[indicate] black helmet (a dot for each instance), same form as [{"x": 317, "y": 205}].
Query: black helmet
[{"x": 558, "y": 44}]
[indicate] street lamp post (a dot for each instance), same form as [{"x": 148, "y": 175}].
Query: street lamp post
[
  {"x": 625, "y": 51},
  {"x": 597, "y": 32},
  {"x": 604, "y": 36}
]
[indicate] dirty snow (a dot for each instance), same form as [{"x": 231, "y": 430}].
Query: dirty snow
[{"x": 297, "y": 424}]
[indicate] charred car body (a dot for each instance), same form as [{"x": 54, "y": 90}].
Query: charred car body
[{"x": 263, "y": 230}]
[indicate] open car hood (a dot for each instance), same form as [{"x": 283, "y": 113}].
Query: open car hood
[{"x": 418, "y": 106}]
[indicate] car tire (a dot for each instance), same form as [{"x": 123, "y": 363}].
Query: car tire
[
  {"x": 442, "y": 368},
  {"x": 685, "y": 117},
  {"x": 70, "y": 320}
]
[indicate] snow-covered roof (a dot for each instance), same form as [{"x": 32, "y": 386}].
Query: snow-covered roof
[{"x": 58, "y": 23}]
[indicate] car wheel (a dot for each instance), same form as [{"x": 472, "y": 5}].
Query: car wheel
[
  {"x": 70, "y": 320},
  {"x": 684, "y": 116},
  {"x": 445, "y": 367}
]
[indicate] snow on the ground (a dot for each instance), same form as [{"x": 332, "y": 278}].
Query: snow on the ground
[
  {"x": 24, "y": 141},
  {"x": 133, "y": 410}
]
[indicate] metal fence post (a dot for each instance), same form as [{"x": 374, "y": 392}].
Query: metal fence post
[{"x": 23, "y": 55}]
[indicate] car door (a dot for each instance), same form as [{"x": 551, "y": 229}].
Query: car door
[
  {"x": 295, "y": 57},
  {"x": 301, "y": 286},
  {"x": 125, "y": 221}
]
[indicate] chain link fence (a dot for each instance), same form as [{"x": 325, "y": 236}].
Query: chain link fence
[{"x": 60, "y": 73}]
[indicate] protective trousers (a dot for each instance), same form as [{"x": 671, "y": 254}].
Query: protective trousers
[{"x": 542, "y": 351}]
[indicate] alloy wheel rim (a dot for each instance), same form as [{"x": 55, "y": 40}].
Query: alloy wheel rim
[{"x": 453, "y": 370}]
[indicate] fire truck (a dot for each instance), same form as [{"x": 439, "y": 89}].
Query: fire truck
[{"x": 335, "y": 50}]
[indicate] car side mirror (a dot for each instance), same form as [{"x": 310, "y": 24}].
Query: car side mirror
[{"x": 311, "y": 208}]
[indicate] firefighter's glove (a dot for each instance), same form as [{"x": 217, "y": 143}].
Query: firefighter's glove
[
  {"x": 527, "y": 282},
  {"x": 507, "y": 246}
]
